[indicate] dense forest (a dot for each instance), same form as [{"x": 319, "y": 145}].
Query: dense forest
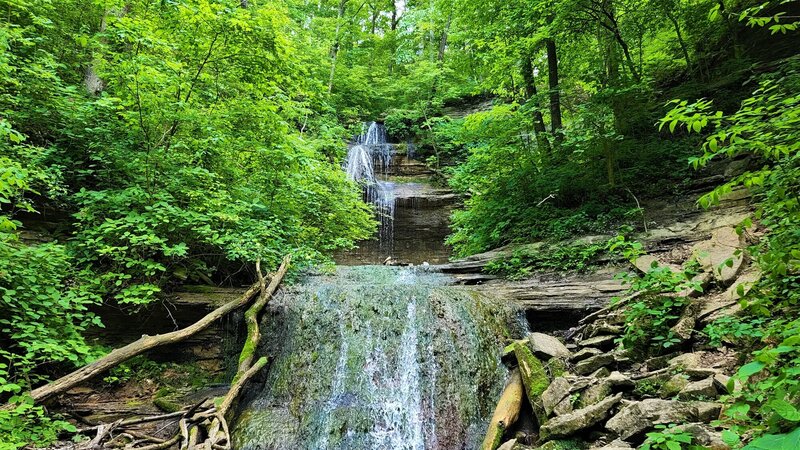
[{"x": 181, "y": 141}]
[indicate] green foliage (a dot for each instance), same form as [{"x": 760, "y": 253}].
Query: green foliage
[
  {"x": 668, "y": 437},
  {"x": 26, "y": 424},
  {"x": 765, "y": 126},
  {"x": 187, "y": 140},
  {"x": 784, "y": 441},
  {"x": 744, "y": 332},
  {"x": 657, "y": 308},
  {"x": 548, "y": 257}
]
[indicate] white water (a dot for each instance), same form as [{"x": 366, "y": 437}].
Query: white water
[{"x": 398, "y": 393}]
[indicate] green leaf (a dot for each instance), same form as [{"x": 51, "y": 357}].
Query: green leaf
[
  {"x": 785, "y": 410},
  {"x": 730, "y": 437},
  {"x": 790, "y": 441},
  {"x": 750, "y": 369}
]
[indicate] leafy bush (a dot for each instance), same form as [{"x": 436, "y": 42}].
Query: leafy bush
[
  {"x": 668, "y": 437},
  {"x": 766, "y": 126},
  {"x": 649, "y": 318},
  {"x": 548, "y": 257}
]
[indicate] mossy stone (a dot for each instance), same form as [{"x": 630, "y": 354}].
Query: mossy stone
[{"x": 534, "y": 377}]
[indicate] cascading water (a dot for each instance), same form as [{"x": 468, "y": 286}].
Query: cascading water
[
  {"x": 378, "y": 358},
  {"x": 368, "y": 162}
]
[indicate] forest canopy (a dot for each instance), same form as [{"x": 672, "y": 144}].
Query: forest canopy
[{"x": 180, "y": 141}]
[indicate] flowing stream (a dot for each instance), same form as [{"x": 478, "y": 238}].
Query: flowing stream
[{"x": 377, "y": 357}]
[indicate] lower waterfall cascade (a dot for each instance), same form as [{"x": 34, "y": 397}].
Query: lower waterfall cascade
[{"x": 378, "y": 358}]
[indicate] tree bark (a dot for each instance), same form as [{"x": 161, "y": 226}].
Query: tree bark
[
  {"x": 138, "y": 347},
  {"x": 555, "y": 92},
  {"x": 443, "y": 40},
  {"x": 506, "y": 412}
]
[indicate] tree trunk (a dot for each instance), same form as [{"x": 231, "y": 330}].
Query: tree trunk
[
  {"x": 335, "y": 48},
  {"x": 530, "y": 92},
  {"x": 682, "y": 43},
  {"x": 628, "y": 58},
  {"x": 555, "y": 94},
  {"x": 443, "y": 40},
  {"x": 506, "y": 412},
  {"x": 610, "y": 162}
]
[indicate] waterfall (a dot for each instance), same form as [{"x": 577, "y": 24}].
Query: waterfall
[
  {"x": 378, "y": 358},
  {"x": 368, "y": 163}
]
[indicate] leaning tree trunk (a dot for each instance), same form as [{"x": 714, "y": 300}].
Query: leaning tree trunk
[
  {"x": 251, "y": 316},
  {"x": 145, "y": 343}
]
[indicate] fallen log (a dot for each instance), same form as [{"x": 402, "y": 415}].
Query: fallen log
[
  {"x": 145, "y": 343},
  {"x": 204, "y": 429},
  {"x": 506, "y": 412}
]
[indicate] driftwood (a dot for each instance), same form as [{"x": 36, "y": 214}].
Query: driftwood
[{"x": 506, "y": 412}]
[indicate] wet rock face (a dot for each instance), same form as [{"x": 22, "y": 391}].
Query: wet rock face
[
  {"x": 378, "y": 358},
  {"x": 419, "y": 226}
]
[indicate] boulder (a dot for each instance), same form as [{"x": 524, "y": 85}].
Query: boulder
[
  {"x": 546, "y": 346},
  {"x": 623, "y": 358},
  {"x": 578, "y": 383},
  {"x": 673, "y": 386},
  {"x": 721, "y": 255},
  {"x": 706, "y": 411},
  {"x": 685, "y": 326},
  {"x": 568, "y": 424},
  {"x": 603, "y": 342},
  {"x": 586, "y": 352},
  {"x": 635, "y": 418},
  {"x": 687, "y": 361},
  {"x": 699, "y": 373},
  {"x": 602, "y": 372},
  {"x": 722, "y": 382},
  {"x": 602, "y": 326},
  {"x": 616, "y": 444},
  {"x": 594, "y": 394},
  {"x": 508, "y": 445},
  {"x": 589, "y": 365},
  {"x": 564, "y": 406},
  {"x": 699, "y": 390},
  {"x": 618, "y": 380},
  {"x": 704, "y": 436},
  {"x": 558, "y": 390},
  {"x": 727, "y": 303}
]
